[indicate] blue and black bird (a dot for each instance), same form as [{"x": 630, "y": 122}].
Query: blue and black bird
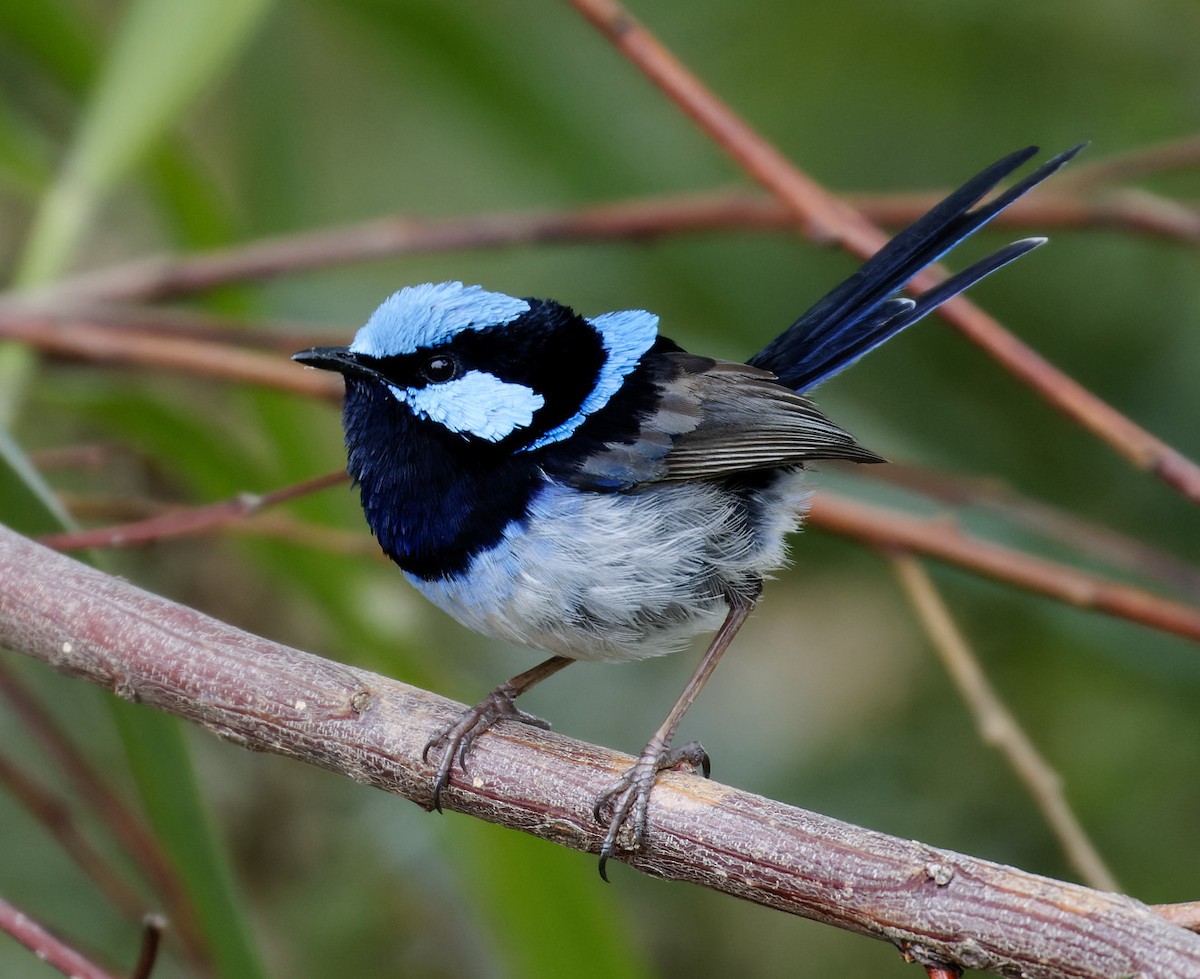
[{"x": 584, "y": 486}]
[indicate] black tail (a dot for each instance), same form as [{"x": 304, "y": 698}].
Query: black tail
[{"x": 861, "y": 313}]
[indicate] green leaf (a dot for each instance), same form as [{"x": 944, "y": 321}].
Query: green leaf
[
  {"x": 23, "y": 156},
  {"x": 162, "y": 765},
  {"x": 158, "y": 757},
  {"x": 166, "y": 52},
  {"x": 54, "y": 36},
  {"x": 30, "y": 506},
  {"x": 570, "y": 924}
]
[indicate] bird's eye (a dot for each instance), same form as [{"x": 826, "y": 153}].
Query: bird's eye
[{"x": 439, "y": 368}]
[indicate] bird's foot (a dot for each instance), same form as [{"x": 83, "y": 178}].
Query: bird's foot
[
  {"x": 624, "y": 805},
  {"x": 456, "y": 740}
]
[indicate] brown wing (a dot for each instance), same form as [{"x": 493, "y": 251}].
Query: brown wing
[
  {"x": 715, "y": 418},
  {"x": 750, "y": 421}
]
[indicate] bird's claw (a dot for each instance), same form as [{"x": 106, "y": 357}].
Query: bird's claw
[
  {"x": 459, "y": 736},
  {"x": 625, "y": 804}
]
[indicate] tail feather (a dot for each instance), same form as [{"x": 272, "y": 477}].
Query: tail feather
[{"x": 862, "y": 312}]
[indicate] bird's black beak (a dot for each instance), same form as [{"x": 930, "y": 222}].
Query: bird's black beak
[{"x": 340, "y": 359}]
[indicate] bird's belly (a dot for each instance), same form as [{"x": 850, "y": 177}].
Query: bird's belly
[{"x": 618, "y": 576}]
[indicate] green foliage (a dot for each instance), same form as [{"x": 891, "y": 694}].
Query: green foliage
[
  {"x": 128, "y": 129},
  {"x": 159, "y": 760},
  {"x": 159, "y": 59}
]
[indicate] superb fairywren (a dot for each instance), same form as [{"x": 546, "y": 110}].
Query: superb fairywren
[{"x": 584, "y": 486}]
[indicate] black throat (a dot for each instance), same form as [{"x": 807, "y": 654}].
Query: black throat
[{"x": 433, "y": 498}]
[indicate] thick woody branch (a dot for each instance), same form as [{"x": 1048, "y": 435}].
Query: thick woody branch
[{"x": 940, "y": 908}]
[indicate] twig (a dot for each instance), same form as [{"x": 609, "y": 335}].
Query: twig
[
  {"x": 1095, "y": 540},
  {"x": 168, "y": 276},
  {"x": 822, "y": 216},
  {"x": 181, "y": 522},
  {"x": 118, "y": 512},
  {"x": 1133, "y": 210},
  {"x": 48, "y": 947},
  {"x": 825, "y": 218},
  {"x": 72, "y": 336},
  {"x": 165, "y": 276},
  {"x": 891, "y": 530},
  {"x": 884, "y": 528},
  {"x": 138, "y": 842},
  {"x": 153, "y": 926},
  {"x": 55, "y": 816},
  {"x": 942, "y": 908},
  {"x": 95, "y": 455},
  {"x": 998, "y": 727},
  {"x": 277, "y": 336},
  {"x": 1185, "y": 915},
  {"x": 1173, "y": 155}
]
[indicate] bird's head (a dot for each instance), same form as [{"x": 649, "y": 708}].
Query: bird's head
[{"x": 519, "y": 373}]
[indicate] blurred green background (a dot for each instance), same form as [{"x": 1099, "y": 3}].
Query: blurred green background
[{"x": 133, "y": 128}]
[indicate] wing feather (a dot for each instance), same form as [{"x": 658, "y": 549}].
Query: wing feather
[{"x": 716, "y": 418}]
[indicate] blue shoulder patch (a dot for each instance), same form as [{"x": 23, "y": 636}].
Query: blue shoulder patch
[
  {"x": 626, "y": 335},
  {"x": 426, "y": 315}
]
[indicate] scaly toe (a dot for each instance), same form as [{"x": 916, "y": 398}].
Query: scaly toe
[
  {"x": 691, "y": 754},
  {"x": 460, "y": 736},
  {"x": 624, "y": 807},
  {"x": 629, "y": 808}
]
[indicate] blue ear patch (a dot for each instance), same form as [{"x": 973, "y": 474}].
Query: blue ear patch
[
  {"x": 478, "y": 403},
  {"x": 426, "y": 315},
  {"x": 626, "y": 336}
]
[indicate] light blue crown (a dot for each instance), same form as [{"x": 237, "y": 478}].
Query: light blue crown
[
  {"x": 424, "y": 316},
  {"x": 427, "y": 315}
]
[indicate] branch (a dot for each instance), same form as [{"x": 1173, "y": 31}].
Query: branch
[
  {"x": 1133, "y": 210},
  {"x": 138, "y": 843},
  {"x": 825, "y": 218},
  {"x": 182, "y": 521},
  {"x": 941, "y": 908},
  {"x": 891, "y": 530},
  {"x": 47, "y": 946},
  {"x": 75, "y": 335},
  {"x": 170, "y": 276},
  {"x": 55, "y": 816},
  {"x": 1178, "y": 154},
  {"x": 1097, "y": 541},
  {"x": 154, "y": 521},
  {"x": 1185, "y": 915},
  {"x": 997, "y": 726},
  {"x": 888, "y": 529},
  {"x": 167, "y": 276}
]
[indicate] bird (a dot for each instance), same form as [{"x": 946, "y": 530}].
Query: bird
[{"x": 586, "y": 487}]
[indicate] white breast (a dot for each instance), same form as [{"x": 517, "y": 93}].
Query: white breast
[{"x": 618, "y": 576}]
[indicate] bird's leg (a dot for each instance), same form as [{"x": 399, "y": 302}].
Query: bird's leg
[
  {"x": 627, "y": 800},
  {"x": 458, "y": 738}
]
